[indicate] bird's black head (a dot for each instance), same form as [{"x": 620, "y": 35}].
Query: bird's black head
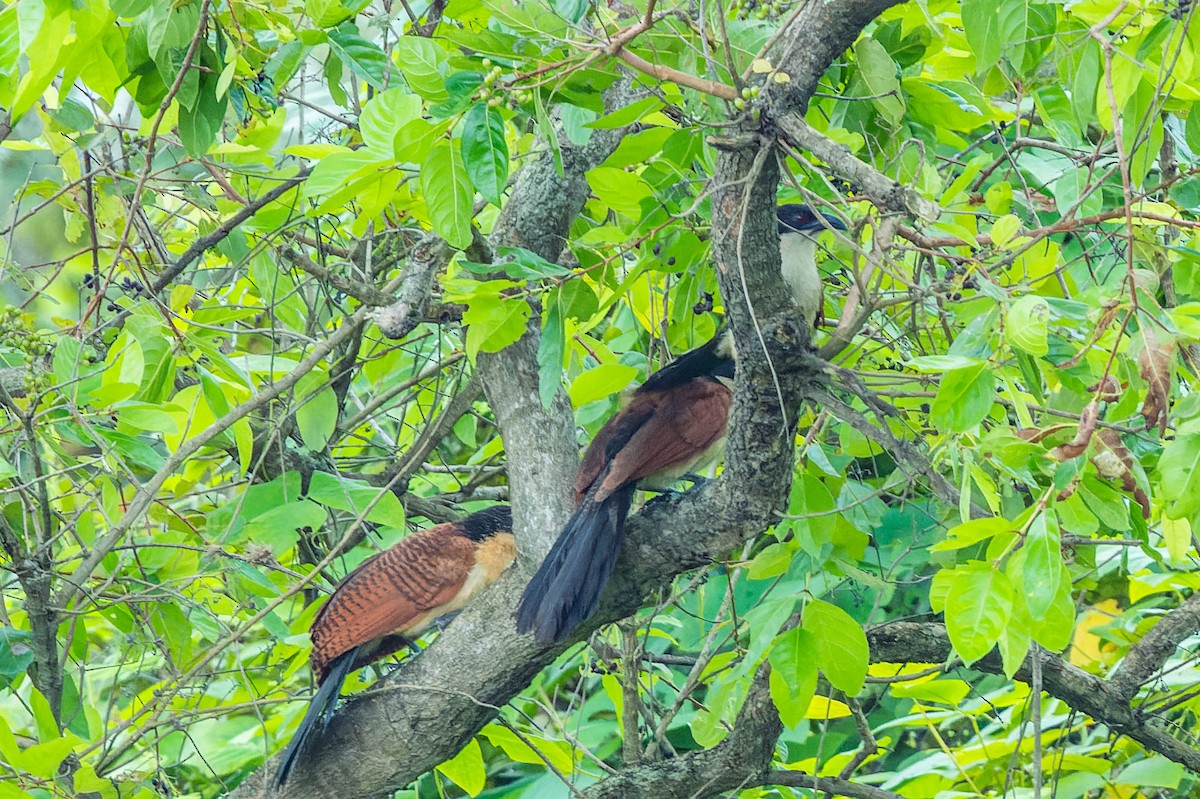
[
  {"x": 486, "y": 523},
  {"x": 800, "y": 218}
]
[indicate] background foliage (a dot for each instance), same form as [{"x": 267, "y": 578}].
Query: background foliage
[{"x": 251, "y": 264}]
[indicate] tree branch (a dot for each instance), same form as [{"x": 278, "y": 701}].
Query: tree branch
[
  {"x": 912, "y": 642},
  {"x": 1147, "y": 656}
]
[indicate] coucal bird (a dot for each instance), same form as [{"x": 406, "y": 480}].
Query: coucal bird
[
  {"x": 798, "y": 225},
  {"x": 394, "y": 596},
  {"x": 674, "y": 423}
]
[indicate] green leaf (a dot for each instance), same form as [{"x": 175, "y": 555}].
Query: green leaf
[
  {"x": 466, "y": 769},
  {"x": 129, "y": 8},
  {"x": 485, "y": 151},
  {"x": 364, "y": 58},
  {"x": 328, "y": 13},
  {"x": 842, "y": 651},
  {"x": 619, "y": 190},
  {"x": 558, "y": 753},
  {"x": 878, "y": 72},
  {"x": 551, "y": 349},
  {"x": 10, "y": 41},
  {"x": 16, "y": 652},
  {"x": 793, "y": 680},
  {"x": 981, "y": 23},
  {"x": 627, "y": 114},
  {"x": 964, "y": 398},
  {"x": 1042, "y": 569},
  {"x": 978, "y": 606},
  {"x": 971, "y": 532},
  {"x": 1153, "y": 772},
  {"x": 519, "y": 264},
  {"x": 1179, "y": 471},
  {"x": 448, "y": 194},
  {"x": 198, "y": 127},
  {"x": 494, "y": 322},
  {"x": 355, "y": 496},
  {"x": 420, "y": 61},
  {"x": 316, "y": 417},
  {"x": 383, "y": 115},
  {"x": 279, "y": 527},
  {"x": 335, "y": 170},
  {"x": 1026, "y": 324},
  {"x": 601, "y": 382}
]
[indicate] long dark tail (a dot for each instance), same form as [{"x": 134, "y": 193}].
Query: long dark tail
[
  {"x": 566, "y": 589},
  {"x": 320, "y": 709}
]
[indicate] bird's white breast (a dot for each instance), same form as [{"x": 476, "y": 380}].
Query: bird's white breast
[{"x": 799, "y": 265}]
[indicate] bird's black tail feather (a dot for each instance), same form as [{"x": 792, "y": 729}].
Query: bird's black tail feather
[
  {"x": 320, "y": 710},
  {"x": 566, "y": 589}
]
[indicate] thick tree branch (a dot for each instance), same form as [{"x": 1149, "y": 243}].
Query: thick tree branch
[
  {"x": 1147, "y": 656},
  {"x": 833, "y": 785},
  {"x": 912, "y": 642},
  {"x": 887, "y": 194},
  {"x": 407, "y": 309}
]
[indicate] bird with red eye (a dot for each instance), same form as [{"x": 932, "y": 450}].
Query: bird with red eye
[
  {"x": 674, "y": 423},
  {"x": 391, "y": 598}
]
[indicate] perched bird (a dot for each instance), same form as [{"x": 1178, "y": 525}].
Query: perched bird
[
  {"x": 394, "y": 596},
  {"x": 674, "y": 423},
  {"x": 798, "y": 225}
]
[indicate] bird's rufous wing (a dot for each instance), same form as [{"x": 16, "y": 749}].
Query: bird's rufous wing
[
  {"x": 391, "y": 592},
  {"x": 685, "y": 423}
]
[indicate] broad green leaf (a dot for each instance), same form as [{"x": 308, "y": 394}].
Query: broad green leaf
[
  {"x": 335, "y": 170},
  {"x": 493, "y": 323},
  {"x": 16, "y": 652},
  {"x": 1026, "y": 324},
  {"x": 978, "y": 606},
  {"x": 355, "y": 496},
  {"x": 448, "y": 194},
  {"x": 485, "y": 151},
  {"x": 981, "y": 23},
  {"x": 1042, "y": 566},
  {"x": 619, "y": 189},
  {"x": 963, "y": 399},
  {"x": 48, "y": 44},
  {"x": 316, "y": 418},
  {"x": 1153, "y": 772},
  {"x": 198, "y": 126},
  {"x": 1179, "y": 471},
  {"x": 628, "y": 114},
  {"x": 466, "y": 769},
  {"x": 842, "y": 650},
  {"x": 279, "y": 527},
  {"x": 824, "y": 708},
  {"x": 383, "y": 115},
  {"x": 1055, "y": 630},
  {"x": 551, "y": 350},
  {"x": 364, "y": 58},
  {"x": 519, "y": 264},
  {"x": 10, "y": 40},
  {"x": 521, "y": 750},
  {"x": 601, "y": 382},
  {"x": 1004, "y": 228},
  {"x": 793, "y": 680},
  {"x": 421, "y": 61},
  {"x": 1177, "y": 536},
  {"x": 971, "y": 532},
  {"x": 943, "y": 363},
  {"x": 879, "y": 73}
]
